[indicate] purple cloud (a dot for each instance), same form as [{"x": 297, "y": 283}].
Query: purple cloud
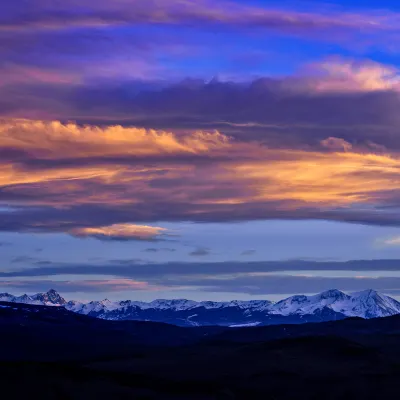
[{"x": 43, "y": 15}]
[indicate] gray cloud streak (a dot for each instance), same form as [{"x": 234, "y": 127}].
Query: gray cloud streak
[
  {"x": 253, "y": 285},
  {"x": 135, "y": 270}
]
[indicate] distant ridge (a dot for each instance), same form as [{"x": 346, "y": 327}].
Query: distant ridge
[{"x": 326, "y": 306}]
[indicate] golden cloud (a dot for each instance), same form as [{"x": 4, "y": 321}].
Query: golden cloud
[
  {"x": 147, "y": 174},
  {"x": 54, "y": 140},
  {"x": 341, "y": 76},
  {"x": 121, "y": 232}
]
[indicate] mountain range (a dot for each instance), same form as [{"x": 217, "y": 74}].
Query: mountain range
[
  {"x": 48, "y": 352},
  {"x": 326, "y": 306}
]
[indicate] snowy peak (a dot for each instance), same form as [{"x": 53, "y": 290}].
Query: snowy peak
[
  {"x": 337, "y": 301},
  {"x": 177, "y": 304},
  {"x": 365, "y": 304},
  {"x": 260, "y": 305},
  {"x": 51, "y": 297},
  {"x": 293, "y": 305},
  {"x": 24, "y": 299},
  {"x": 7, "y": 297},
  {"x": 367, "y": 294},
  {"x": 371, "y": 304},
  {"x": 333, "y": 294},
  {"x": 328, "y": 305},
  {"x": 93, "y": 306}
]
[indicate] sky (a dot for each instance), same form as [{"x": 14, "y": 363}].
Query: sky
[{"x": 208, "y": 149}]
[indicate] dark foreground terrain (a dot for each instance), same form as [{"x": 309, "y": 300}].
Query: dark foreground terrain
[{"x": 50, "y": 353}]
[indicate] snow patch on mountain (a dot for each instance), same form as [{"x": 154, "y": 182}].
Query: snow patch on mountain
[{"x": 245, "y": 325}]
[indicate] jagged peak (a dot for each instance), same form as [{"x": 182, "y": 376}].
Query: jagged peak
[
  {"x": 332, "y": 293},
  {"x": 298, "y": 298},
  {"x": 366, "y": 304},
  {"x": 52, "y": 291},
  {"x": 23, "y": 299},
  {"x": 366, "y": 293},
  {"x": 51, "y": 296}
]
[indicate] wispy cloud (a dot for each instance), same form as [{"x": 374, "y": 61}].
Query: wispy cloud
[
  {"x": 392, "y": 241},
  {"x": 200, "y": 252},
  {"x": 159, "y": 250},
  {"x": 253, "y": 285},
  {"x": 282, "y": 284},
  {"x": 248, "y": 252},
  {"x": 86, "y": 13},
  {"x": 24, "y": 260},
  {"x": 88, "y": 286},
  {"x": 121, "y": 232},
  {"x": 138, "y": 269},
  {"x": 256, "y": 278}
]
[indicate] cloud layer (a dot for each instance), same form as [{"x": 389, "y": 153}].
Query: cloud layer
[
  {"x": 118, "y": 118},
  {"x": 253, "y": 278},
  {"x": 257, "y": 286},
  {"x": 91, "y": 180},
  {"x": 89, "y": 13}
]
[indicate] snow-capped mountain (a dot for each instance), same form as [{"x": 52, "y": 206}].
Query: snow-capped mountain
[
  {"x": 50, "y": 298},
  {"x": 365, "y": 304},
  {"x": 325, "y": 306}
]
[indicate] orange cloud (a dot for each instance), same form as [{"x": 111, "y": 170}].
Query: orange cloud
[
  {"x": 342, "y": 76},
  {"x": 121, "y": 232},
  {"x": 132, "y": 174},
  {"x": 54, "y": 140},
  {"x": 327, "y": 179}
]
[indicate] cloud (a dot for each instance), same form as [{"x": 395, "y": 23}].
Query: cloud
[
  {"x": 140, "y": 270},
  {"x": 126, "y": 261},
  {"x": 248, "y": 252},
  {"x": 357, "y": 106},
  {"x": 92, "y": 181},
  {"x": 284, "y": 284},
  {"x": 61, "y": 47},
  {"x": 253, "y": 285},
  {"x": 18, "y": 74},
  {"x": 336, "y": 144},
  {"x": 87, "y": 286},
  {"x": 393, "y": 241},
  {"x": 23, "y": 260},
  {"x": 157, "y": 250},
  {"x": 200, "y": 252},
  {"x": 255, "y": 278},
  {"x": 283, "y": 150},
  {"x": 341, "y": 76},
  {"x": 121, "y": 232},
  {"x": 45, "y": 16}
]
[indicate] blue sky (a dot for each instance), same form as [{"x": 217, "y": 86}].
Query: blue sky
[
  {"x": 259, "y": 240},
  {"x": 192, "y": 133}
]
